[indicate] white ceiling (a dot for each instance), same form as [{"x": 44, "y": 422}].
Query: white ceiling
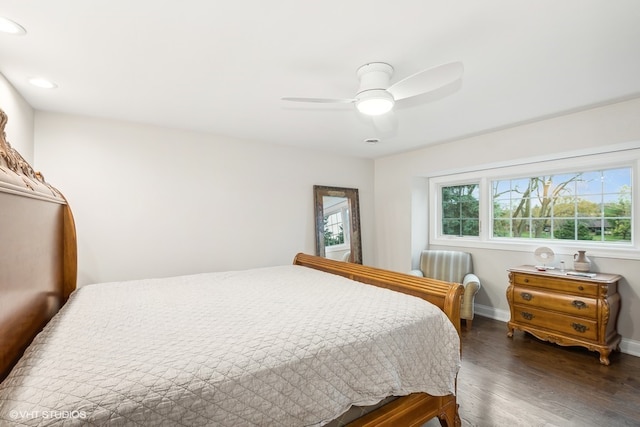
[{"x": 222, "y": 66}]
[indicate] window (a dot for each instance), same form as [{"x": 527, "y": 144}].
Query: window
[
  {"x": 568, "y": 202},
  {"x": 336, "y": 221},
  {"x": 333, "y": 229},
  {"x": 593, "y": 205},
  {"x": 460, "y": 214}
]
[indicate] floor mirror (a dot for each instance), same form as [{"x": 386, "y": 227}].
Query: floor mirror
[{"x": 337, "y": 215}]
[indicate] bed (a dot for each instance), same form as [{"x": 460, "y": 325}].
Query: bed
[{"x": 140, "y": 353}]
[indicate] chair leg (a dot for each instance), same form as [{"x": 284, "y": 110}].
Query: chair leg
[{"x": 468, "y": 322}]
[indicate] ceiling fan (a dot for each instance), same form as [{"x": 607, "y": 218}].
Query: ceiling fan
[{"x": 376, "y": 96}]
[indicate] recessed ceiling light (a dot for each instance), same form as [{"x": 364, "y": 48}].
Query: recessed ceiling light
[
  {"x": 10, "y": 27},
  {"x": 42, "y": 83}
]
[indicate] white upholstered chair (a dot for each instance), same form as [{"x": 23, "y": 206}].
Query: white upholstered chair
[{"x": 456, "y": 267}]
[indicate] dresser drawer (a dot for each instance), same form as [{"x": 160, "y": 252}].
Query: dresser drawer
[
  {"x": 564, "y": 324},
  {"x": 571, "y": 286},
  {"x": 575, "y": 305}
]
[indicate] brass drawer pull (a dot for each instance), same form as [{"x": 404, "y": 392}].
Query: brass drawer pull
[
  {"x": 581, "y": 288},
  {"x": 579, "y": 328},
  {"x": 579, "y": 304},
  {"x": 526, "y": 315},
  {"x": 526, "y": 296}
]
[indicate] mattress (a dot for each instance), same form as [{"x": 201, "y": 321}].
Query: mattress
[{"x": 285, "y": 346}]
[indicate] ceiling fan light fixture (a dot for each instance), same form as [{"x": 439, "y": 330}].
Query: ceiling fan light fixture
[
  {"x": 374, "y": 102},
  {"x": 10, "y": 27}
]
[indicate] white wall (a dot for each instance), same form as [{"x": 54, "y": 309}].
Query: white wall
[
  {"x": 152, "y": 202},
  {"x": 400, "y": 237},
  {"x": 19, "y": 128}
]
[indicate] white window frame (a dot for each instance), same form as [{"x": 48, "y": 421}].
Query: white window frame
[
  {"x": 439, "y": 201},
  {"x": 623, "y": 155},
  {"x": 343, "y": 209},
  {"x": 436, "y": 189}
]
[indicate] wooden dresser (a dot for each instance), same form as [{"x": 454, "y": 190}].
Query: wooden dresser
[{"x": 566, "y": 310}]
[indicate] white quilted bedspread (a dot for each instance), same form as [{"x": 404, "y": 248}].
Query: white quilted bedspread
[{"x": 280, "y": 346}]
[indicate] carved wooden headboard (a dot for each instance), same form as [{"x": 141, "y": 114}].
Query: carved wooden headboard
[{"x": 38, "y": 266}]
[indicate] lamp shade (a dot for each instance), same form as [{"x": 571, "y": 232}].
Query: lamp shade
[{"x": 374, "y": 102}]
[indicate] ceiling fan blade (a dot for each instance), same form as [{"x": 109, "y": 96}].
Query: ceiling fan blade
[
  {"x": 320, "y": 100},
  {"x": 426, "y": 80}
]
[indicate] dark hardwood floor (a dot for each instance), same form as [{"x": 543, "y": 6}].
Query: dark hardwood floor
[{"x": 523, "y": 381}]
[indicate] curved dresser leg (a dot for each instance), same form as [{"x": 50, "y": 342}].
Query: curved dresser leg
[{"x": 604, "y": 356}]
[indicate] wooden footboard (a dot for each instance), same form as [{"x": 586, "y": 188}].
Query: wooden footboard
[{"x": 414, "y": 409}]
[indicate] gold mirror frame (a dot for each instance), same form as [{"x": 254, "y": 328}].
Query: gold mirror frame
[{"x": 351, "y": 194}]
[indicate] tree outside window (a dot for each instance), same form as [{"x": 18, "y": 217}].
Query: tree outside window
[
  {"x": 593, "y": 206},
  {"x": 460, "y": 210}
]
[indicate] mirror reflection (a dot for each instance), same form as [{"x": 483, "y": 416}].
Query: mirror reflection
[{"x": 338, "y": 223}]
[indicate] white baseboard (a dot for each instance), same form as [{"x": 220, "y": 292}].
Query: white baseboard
[
  {"x": 492, "y": 313},
  {"x": 631, "y": 347},
  {"x": 627, "y": 346}
]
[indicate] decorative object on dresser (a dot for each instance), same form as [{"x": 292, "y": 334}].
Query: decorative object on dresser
[
  {"x": 581, "y": 262},
  {"x": 579, "y": 309},
  {"x": 544, "y": 256}
]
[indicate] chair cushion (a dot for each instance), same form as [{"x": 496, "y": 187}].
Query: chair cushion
[{"x": 450, "y": 266}]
